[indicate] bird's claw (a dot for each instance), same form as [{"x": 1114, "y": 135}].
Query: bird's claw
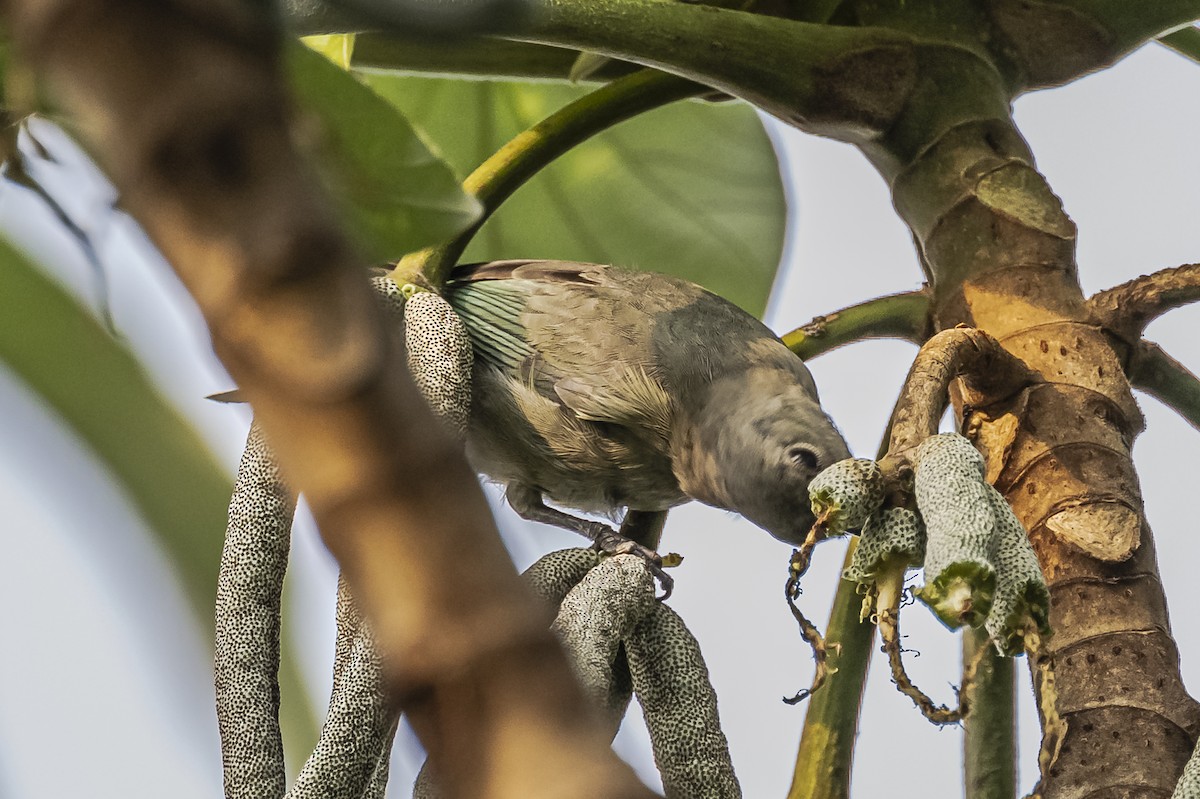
[{"x": 610, "y": 542}]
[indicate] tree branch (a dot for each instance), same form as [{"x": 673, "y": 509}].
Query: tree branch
[
  {"x": 904, "y": 316},
  {"x": 184, "y": 106},
  {"x": 841, "y": 81},
  {"x": 1131, "y": 26},
  {"x": 493, "y": 58},
  {"x": 1128, "y": 308},
  {"x": 1185, "y": 41},
  {"x": 529, "y": 152},
  {"x": 989, "y": 374},
  {"x": 1152, "y": 370}
]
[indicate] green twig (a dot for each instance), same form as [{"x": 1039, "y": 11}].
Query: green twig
[
  {"x": 1152, "y": 370},
  {"x": 989, "y": 743},
  {"x": 826, "y": 750},
  {"x": 904, "y": 316},
  {"x": 532, "y": 150},
  {"x": 493, "y": 58},
  {"x": 793, "y": 70},
  {"x": 831, "y": 725},
  {"x": 1133, "y": 24}
]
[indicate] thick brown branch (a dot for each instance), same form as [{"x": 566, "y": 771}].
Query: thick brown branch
[
  {"x": 189, "y": 118},
  {"x": 1127, "y": 309},
  {"x": 989, "y": 373},
  {"x": 1158, "y": 374}
]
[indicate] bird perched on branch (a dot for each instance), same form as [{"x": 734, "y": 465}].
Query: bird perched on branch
[{"x": 601, "y": 389}]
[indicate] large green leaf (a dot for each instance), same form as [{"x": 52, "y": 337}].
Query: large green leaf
[
  {"x": 98, "y": 389},
  {"x": 398, "y": 196},
  {"x": 692, "y": 189}
]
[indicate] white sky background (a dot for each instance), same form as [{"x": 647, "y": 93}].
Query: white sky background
[{"x": 105, "y": 688}]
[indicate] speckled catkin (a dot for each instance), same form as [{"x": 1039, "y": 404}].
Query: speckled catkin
[
  {"x": 438, "y": 349},
  {"x": 1021, "y": 592},
  {"x": 671, "y": 681},
  {"x": 555, "y": 574},
  {"x": 849, "y": 491},
  {"x": 956, "y": 506},
  {"x": 1188, "y": 786},
  {"x": 249, "y": 588},
  {"x": 423, "y": 787},
  {"x": 354, "y": 738},
  {"x": 595, "y": 616},
  {"x": 896, "y": 534},
  {"x": 614, "y": 603},
  {"x": 440, "y": 358}
]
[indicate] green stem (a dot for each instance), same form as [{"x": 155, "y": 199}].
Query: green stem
[
  {"x": 989, "y": 743},
  {"x": 1158, "y": 374},
  {"x": 1132, "y": 24},
  {"x": 493, "y": 58},
  {"x": 532, "y": 150},
  {"x": 827, "y": 744},
  {"x": 849, "y": 82},
  {"x": 826, "y": 751},
  {"x": 904, "y": 316}
]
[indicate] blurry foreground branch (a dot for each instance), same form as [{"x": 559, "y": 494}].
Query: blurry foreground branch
[{"x": 184, "y": 108}]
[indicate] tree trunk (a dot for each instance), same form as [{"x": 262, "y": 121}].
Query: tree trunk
[{"x": 999, "y": 252}]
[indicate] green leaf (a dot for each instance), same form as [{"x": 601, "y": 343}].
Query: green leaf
[
  {"x": 398, "y": 196},
  {"x": 98, "y": 389},
  {"x": 691, "y": 189},
  {"x": 1185, "y": 41}
]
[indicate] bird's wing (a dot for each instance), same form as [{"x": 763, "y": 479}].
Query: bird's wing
[{"x": 578, "y": 333}]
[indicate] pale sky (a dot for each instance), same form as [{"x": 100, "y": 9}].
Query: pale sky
[{"x": 105, "y": 687}]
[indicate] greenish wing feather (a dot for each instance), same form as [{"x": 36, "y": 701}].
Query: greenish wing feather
[
  {"x": 491, "y": 311},
  {"x": 529, "y": 329}
]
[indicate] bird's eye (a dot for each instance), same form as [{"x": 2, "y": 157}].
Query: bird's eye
[{"x": 803, "y": 456}]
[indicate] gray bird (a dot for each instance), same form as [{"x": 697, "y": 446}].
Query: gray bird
[{"x": 600, "y": 389}]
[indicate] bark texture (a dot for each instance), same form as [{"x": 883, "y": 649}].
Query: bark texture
[
  {"x": 999, "y": 252},
  {"x": 183, "y": 106}
]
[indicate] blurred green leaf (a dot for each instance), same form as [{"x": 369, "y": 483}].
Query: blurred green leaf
[
  {"x": 398, "y": 197},
  {"x": 1185, "y": 41},
  {"x": 691, "y": 189},
  {"x": 98, "y": 389}
]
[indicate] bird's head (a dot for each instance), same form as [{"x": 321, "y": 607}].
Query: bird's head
[{"x": 760, "y": 441}]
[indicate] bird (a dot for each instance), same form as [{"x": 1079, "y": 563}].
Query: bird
[{"x": 602, "y": 390}]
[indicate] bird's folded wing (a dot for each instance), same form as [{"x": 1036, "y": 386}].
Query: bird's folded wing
[{"x": 633, "y": 400}]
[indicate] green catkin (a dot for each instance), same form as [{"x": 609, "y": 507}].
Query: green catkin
[
  {"x": 892, "y": 536},
  {"x": 848, "y": 492},
  {"x": 956, "y": 505},
  {"x": 1021, "y": 593}
]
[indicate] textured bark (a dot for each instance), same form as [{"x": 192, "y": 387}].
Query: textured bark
[
  {"x": 183, "y": 105},
  {"x": 999, "y": 253}
]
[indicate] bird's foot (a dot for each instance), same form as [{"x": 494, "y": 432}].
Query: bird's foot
[{"x": 610, "y": 542}]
